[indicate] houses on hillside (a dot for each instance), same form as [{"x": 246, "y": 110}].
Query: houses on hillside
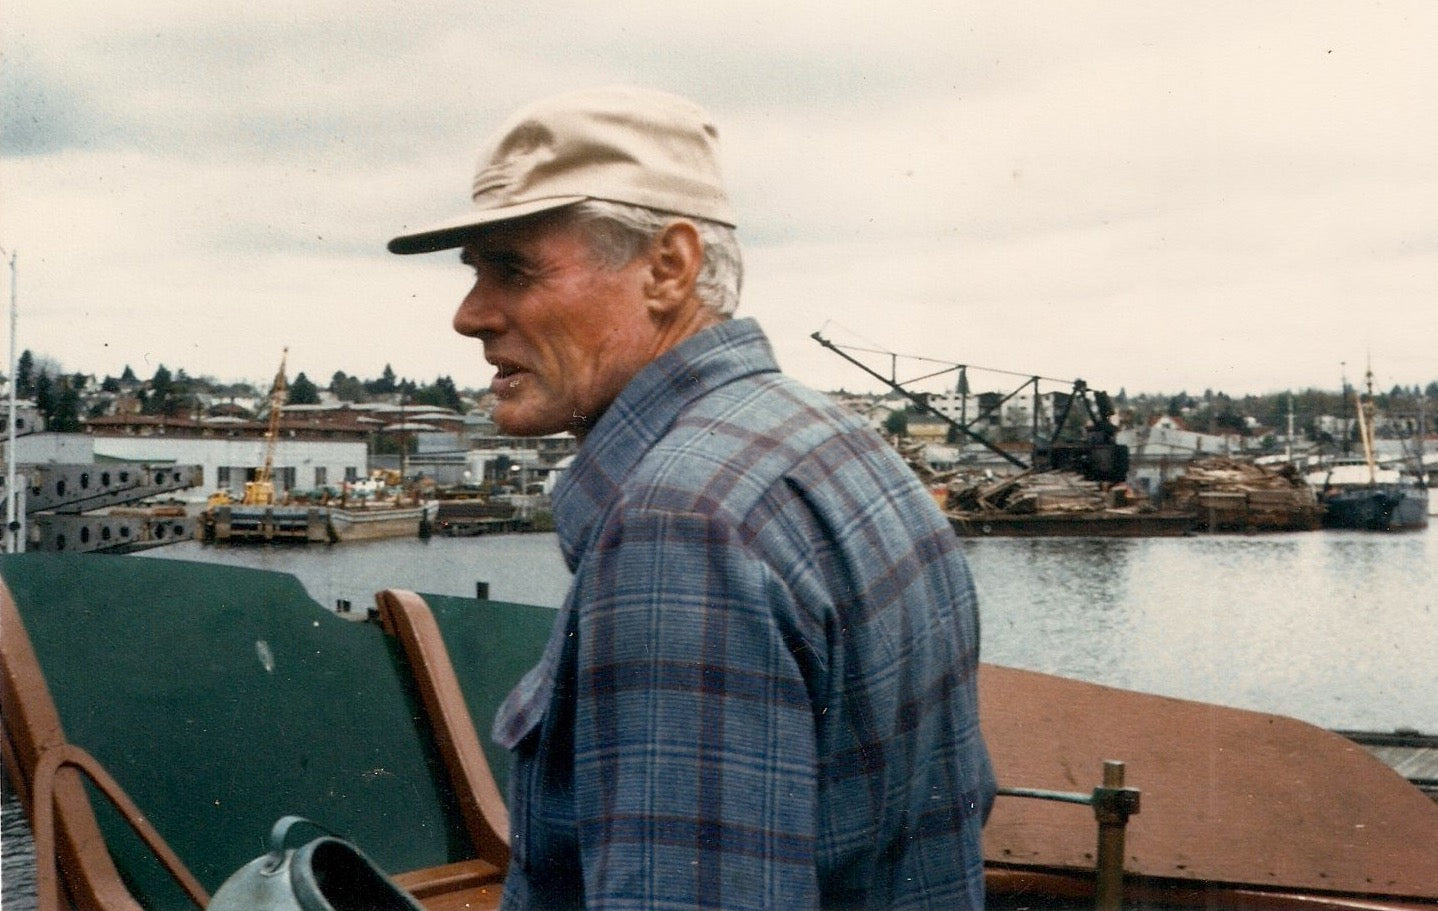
[{"x": 315, "y": 447}]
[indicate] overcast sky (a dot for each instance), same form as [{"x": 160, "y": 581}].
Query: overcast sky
[{"x": 1152, "y": 196}]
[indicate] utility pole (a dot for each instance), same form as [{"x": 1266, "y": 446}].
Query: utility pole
[
  {"x": 1289, "y": 452},
  {"x": 1343, "y": 369},
  {"x": 14, "y": 524}
]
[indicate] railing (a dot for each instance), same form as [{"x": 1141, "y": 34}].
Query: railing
[{"x": 1112, "y": 805}]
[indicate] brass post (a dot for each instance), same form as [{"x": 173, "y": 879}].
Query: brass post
[{"x": 1112, "y": 806}]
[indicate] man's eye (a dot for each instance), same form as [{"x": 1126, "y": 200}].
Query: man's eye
[
  {"x": 503, "y": 271},
  {"x": 511, "y": 274}
]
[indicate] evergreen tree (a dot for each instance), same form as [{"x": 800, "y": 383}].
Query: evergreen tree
[
  {"x": 163, "y": 381},
  {"x": 347, "y": 388},
  {"x": 442, "y": 394},
  {"x": 44, "y": 391},
  {"x": 384, "y": 385},
  {"x": 303, "y": 391},
  {"x": 64, "y": 415},
  {"x": 158, "y": 399},
  {"x": 25, "y": 375}
]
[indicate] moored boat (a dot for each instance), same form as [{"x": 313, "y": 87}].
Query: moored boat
[
  {"x": 1361, "y": 493},
  {"x": 1357, "y": 494},
  {"x": 1104, "y": 523},
  {"x": 394, "y": 520},
  {"x": 318, "y": 523}
]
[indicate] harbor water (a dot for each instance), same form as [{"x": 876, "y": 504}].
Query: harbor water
[{"x": 1336, "y": 628}]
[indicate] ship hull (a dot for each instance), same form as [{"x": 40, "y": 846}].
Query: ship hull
[{"x": 1380, "y": 507}]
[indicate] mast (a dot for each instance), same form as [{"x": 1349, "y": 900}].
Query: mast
[
  {"x": 1289, "y": 449},
  {"x": 1365, "y": 425},
  {"x": 1343, "y": 399}
]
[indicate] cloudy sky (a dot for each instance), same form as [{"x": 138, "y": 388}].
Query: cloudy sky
[{"x": 1153, "y": 196}]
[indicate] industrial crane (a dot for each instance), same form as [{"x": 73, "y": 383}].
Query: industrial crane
[{"x": 261, "y": 491}]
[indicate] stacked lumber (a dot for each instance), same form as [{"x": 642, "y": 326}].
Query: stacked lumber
[{"x": 1236, "y": 495}]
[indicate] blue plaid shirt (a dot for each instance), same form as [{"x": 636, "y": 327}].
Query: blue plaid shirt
[{"x": 760, "y": 691}]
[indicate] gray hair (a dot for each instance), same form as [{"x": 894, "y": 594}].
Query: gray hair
[{"x": 618, "y": 232}]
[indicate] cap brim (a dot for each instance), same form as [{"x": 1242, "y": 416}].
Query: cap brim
[{"x": 456, "y": 231}]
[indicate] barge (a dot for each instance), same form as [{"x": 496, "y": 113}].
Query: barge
[{"x": 317, "y": 524}]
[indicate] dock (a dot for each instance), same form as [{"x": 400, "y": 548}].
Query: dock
[{"x": 1409, "y": 753}]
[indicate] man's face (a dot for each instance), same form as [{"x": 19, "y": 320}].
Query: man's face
[{"x": 565, "y": 332}]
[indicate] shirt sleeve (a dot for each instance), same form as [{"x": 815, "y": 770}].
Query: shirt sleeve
[{"x": 694, "y": 734}]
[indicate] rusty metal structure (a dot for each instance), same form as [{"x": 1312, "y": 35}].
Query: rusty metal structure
[
  {"x": 88, "y": 507},
  {"x": 1091, "y": 451}
]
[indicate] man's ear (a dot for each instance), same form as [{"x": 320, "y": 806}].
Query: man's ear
[{"x": 674, "y": 261}]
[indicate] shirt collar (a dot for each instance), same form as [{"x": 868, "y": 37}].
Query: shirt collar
[{"x": 642, "y": 413}]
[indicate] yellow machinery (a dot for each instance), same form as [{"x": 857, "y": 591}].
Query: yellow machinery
[{"x": 261, "y": 491}]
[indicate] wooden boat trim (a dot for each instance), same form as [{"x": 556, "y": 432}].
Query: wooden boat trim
[
  {"x": 81, "y": 874},
  {"x": 406, "y": 616},
  {"x": 67, "y": 756},
  {"x": 433, "y": 881},
  {"x": 32, "y": 728}
]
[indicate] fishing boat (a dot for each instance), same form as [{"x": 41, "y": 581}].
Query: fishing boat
[
  {"x": 159, "y": 715},
  {"x": 1357, "y": 493},
  {"x": 1362, "y": 494}
]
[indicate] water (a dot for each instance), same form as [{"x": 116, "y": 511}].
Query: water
[
  {"x": 1336, "y": 628},
  {"x": 525, "y": 568}
]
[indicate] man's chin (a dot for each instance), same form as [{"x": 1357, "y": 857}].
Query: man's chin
[{"x": 516, "y": 422}]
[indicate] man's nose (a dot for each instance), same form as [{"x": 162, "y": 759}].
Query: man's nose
[{"x": 476, "y": 316}]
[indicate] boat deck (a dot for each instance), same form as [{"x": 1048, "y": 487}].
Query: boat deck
[{"x": 160, "y": 667}]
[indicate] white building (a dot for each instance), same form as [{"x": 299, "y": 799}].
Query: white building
[
  {"x": 1161, "y": 450},
  {"x": 226, "y": 463}
]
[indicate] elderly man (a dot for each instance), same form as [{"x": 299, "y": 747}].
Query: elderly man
[{"x": 760, "y": 691}]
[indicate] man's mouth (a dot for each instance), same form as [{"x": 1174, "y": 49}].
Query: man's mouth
[{"x": 506, "y": 376}]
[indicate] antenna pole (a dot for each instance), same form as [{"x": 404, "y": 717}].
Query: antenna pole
[{"x": 14, "y": 524}]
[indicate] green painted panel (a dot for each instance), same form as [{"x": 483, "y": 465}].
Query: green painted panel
[
  {"x": 491, "y": 644},
  {"x": 222, "y": 698}
]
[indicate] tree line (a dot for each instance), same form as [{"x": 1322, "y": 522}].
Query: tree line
[{"x": 65, "y": 399}]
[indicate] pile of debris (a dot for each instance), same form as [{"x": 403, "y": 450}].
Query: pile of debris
[
  {"x": 1235, "y": 495},
  {"x": 1031, "y": 493},
  {"x": 912, "y": 452}
]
